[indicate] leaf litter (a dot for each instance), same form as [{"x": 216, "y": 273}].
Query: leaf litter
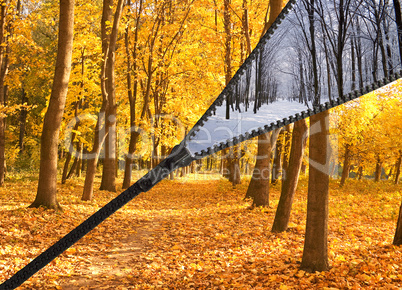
[{"x": 201, "y": 234}]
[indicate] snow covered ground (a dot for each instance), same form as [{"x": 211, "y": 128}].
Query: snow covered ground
[{"x": 217, "y": 129}]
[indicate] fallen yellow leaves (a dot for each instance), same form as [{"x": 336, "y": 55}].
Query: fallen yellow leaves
[{"x": 176, "y": 237}]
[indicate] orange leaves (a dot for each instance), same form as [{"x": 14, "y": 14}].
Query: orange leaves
[{"x": 200, "y": 234}]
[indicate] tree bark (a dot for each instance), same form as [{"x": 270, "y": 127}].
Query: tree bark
[
  {"x": 109, "y": 163},
  {"x": 398, "y": 20},
  {"x": 258, "y": 189},
  {"x": 23, "y": 121},
  {"x": 398, "y": 169},
  {"x": 275, "y": 8},
  {"x": 289, "y": 185},
  {"x": 266, "y": 141},
  {"x": 103, "y": 125},
  {"x": 3, "y": 72},
  {"x": 47, "y": 185},
  {"x": 398, "y": 232},
  {"x": 68, "y": 157},
  {"x": 360, "y": 173},
  {"x": 232, "y": 156},
  {"x": 378, "y": 168},
  {"x": 132, "y": 97},
  {"x": 315, "y": 253}
]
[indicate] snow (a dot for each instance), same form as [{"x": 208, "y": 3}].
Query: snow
[{"x": 217, "y": 129}]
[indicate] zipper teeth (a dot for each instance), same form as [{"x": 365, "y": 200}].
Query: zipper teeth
[
  {"x": 280, "y": 123},
  {"x": 233, "y": 82},
  {"x": 69, "y": 240},
  {"x": 299, "y": 116}
]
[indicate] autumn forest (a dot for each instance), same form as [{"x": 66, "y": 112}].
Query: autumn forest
[{"x": 95, "y": 94}]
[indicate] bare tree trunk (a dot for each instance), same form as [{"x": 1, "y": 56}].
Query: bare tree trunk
[
  {"x": 246, "y": 27},
  {"x": 289, "y": 185},
  {"x": 360, "y": 172},
  {"x": 78, "y": 169},
  {"x": 47, "y": 185},
  {"x": 4, "y": 63},
  {"x": 258, "y": 189},
  {"x": 398, "y": 20},
  {"x": 132, "y": 96},
  {"x": 275, "y": 8},
  {"x": 23, "y": 121},
  {"x": 398, "y": 168},
  {"x": 232, "y": 157},
  {"x": 378, "y": 168},
  {"x": 398, "y": 232},
  {"x": 77, "y": 161},
  {"x": 103, "y": 125},
  {"x": 315, "y": 253},
  {"x": 65, "y": 174},
  {"x": 65, "y": 168},
  {"x": 109, "y": 163}
]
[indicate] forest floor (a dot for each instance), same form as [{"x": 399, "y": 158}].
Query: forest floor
[{"x": 199, "y": 233}]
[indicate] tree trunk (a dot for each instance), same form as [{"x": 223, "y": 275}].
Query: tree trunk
[
  {"x": 132, "y": 96},
  {"x": 65, "y": 168},
  {"x": 346, "y": 166},
  {"x": 391, "y": 171},
  {"x": 4, "y": 63},
  {"x": 261, "y": 172},
  {"x": 277, "y": 163},
  {"x": 109, "y": 163},
  {"x": 246, "y": 26},
  {"x": 103, "y": 125},
  {"x": 378, "y": 168},
  {"x": 398, "y": 169},
  {"x": 232, "y": 160},
  {"x": 398, "y": 20},
  {"x": 258, "y": 189},
  {"x": 23, "y": 121},
  {"x": 65, "y": 174},
  {"x": 289, "y": 184},
  {"x": 47, "y": 185},
  {"x": 275, "y": 8},
  {"x": 286, "y": 150},
  {"x": 234, "y": 165},
  {"x": 360, "y": 173},
  {"x": 78, "y": 169},
  {"x": 398, "y": 233},
  {"x": 315, "y": 253},
  {"x": 76, "y": 163}
]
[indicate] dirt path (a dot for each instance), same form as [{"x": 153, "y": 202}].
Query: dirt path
[{"x": 113, "y": 263}]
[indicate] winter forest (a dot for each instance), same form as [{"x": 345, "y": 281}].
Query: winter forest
[{"x": 94, "y": 95}]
